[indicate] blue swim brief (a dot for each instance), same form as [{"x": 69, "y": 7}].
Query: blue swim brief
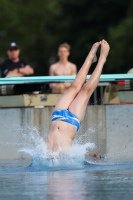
[{"x": 66, "y": 116}]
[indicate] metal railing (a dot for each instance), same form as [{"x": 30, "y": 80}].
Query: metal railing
[
  {"x": 59, "y": 79},
  {"x": 97, "y": 96}
]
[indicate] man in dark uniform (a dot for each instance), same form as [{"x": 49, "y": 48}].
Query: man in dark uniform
[{"x": 14, "y": 66}]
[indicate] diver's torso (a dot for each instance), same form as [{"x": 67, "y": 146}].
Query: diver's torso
[{"x": 61, "y": 135}]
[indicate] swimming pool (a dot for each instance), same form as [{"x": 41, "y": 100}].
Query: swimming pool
[
  {"x": 90, "y": 182},
  {"x": 71, "y": 178}
]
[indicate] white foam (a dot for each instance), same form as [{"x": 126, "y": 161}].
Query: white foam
[{"x": 41, "y": 158}]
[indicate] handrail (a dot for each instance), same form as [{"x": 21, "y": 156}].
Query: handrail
[{"x": 59, "y": 79}]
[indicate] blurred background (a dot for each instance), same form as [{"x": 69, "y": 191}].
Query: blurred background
[{"x": 38, "y": 27}]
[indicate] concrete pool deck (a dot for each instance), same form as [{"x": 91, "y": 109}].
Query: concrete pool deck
[{"x": 110, "y": 127}]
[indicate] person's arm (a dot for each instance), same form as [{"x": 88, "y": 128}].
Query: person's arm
[
  {"x": 53, "y": 86},
  {"x": 27, "y": 70},
  {"x": 14, "y": 72},
  {"x": 51, "y": 70},
  {"x": 5, "y": 71}
]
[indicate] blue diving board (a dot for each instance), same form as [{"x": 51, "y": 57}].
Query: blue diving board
[{"x": 59, "y": 79}]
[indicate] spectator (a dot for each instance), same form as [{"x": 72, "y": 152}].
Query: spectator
[
  {"x": 14, "y": 66},
  {"x": 62, "y": 68}
]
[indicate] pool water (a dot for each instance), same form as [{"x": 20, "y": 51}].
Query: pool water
[
  {"x": 94, "y": 181},
  {"x": 69, "y": 177}
]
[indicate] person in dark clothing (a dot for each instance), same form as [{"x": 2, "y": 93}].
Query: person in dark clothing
[{"x": 14, "y": 66}]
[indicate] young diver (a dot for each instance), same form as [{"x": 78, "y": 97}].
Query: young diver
[{"x": 71, "y": 107}]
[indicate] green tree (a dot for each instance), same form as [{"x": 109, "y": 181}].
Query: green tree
[
  {"x": 121, "y": 41},
  {"x": 32, "y": 25},
  {"x": 40, "y": 26},
  {"x": 88, "y": 21}
]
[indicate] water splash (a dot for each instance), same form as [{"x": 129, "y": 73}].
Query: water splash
[{"x": 42, "y": 159}]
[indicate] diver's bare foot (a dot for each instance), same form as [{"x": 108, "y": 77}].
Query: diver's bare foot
[
  {"x": 104, "y": 49},
  {"x": 93, "y": 51}
]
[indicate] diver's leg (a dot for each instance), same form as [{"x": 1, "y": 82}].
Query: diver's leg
[
  {"x": 80, "y": 79},
  {"x": 79, "y": 104}
]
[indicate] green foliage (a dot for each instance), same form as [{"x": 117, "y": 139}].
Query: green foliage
[
  {"x": 32, "y": 25},
  {"x": 121, "y": 40},
  {"x": 91, "y": 21},
  {"x": 40, "y": 26}
]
